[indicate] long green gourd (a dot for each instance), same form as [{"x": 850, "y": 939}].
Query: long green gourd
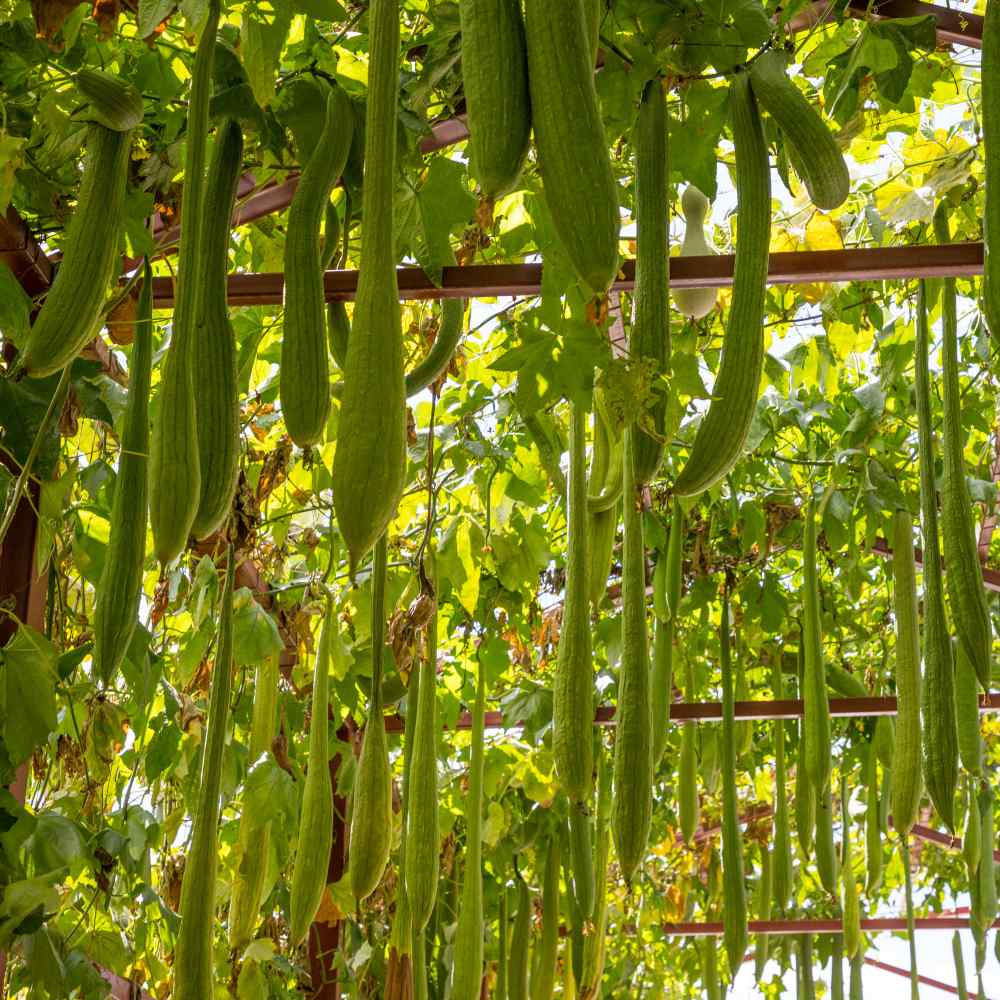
[
  {"x": 850, "y": 901},
  {"x": 873, "y": 832},
  {"x": 964, "y": 576},
  {"x": 687, "y": 768},
  {"x": 305, "y": 393},
  {"x": 984, "y": 899},
  {"x": 971, "y": 838},
  {"x": 910, "y": 922},
  {"x": 906, "y": 781},
  {"x": 649, "y": 338},
  {"x": 592, "y": 965},
  {"x": 70, "y": 315},
  {"x": 369, "y": 465},
  {"x": 518, "y": 964},
  {"x": 724, "y": 428},
  {"x": 826, "y": 853},
  {"x": 856, "y": 989},
  {"x": 495, "y": 78},
  {"x": 763, "y": 902},
  {"x": 254, "y": 838},
  {"x": 174, "y": 461},
  {"x": 422, "y": 836},
  {"x": 815, "y": 153},
  {"x": 604, "y": 485},
  {"x": 956, "y": 951},
  {"x": 543, "y": 972},
  {"x": 371, "y": 812},
  {"x": 213, "y": 346},
  {"x": 816, "y": 703},
  {"x": 193, "y": 961},
  {"x": 573, "y": 680},
  {"x": 632, "y": 806},
  {"x": 837, "y": 968},
  {"x": 662, "y": 680},
  {"x": 970, "y": 741},
  {"x": 940, "y": 729},
  {"x": 805, "y": 792},
  {"x": 315, "y": 829},
  {"x": 581, "y": 856},
  {"x": 989, "y": 110},
  {"x": 467, "y": 963},
  {"x": 734, "y": 901},
  {"x": 503, "y": 920},
  {"x": 117, "y": 608},
  {"x": 112, "y": 101},
  {"x": 710, "y": 978},
  {"x": 573, "y": 152},
  {"x": 782, "y": 877}
]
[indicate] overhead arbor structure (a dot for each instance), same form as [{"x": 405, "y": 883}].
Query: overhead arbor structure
[{"x": 539, "y": 595}]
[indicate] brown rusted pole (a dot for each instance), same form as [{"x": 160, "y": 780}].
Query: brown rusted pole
[{"x": 489, "y": 280}]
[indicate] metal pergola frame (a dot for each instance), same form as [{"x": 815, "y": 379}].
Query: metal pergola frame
[{"x": 22, "y": 253}]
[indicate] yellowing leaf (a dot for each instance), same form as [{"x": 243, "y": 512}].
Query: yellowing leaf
[{"x": 822, "y": 233}]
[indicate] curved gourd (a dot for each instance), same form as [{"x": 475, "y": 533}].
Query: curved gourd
[{"x": 989, "y": 110}]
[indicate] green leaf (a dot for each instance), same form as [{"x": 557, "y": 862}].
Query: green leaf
[
  {"x": 21, "y": 899},
  {"x": 152, "y": 13},
  {"x": 262, "y": 44},
  {"x": 11, "y": 158},
  {"x": 138, "y": 208},
  {"x": 15, "y": 306},
  {"x": 695, "y": 133},
  {"x": 27, "y": 692},
  {"x": 255, "y": 634},
  {"x": 445, "y": 203},
  {"x": 457, "y": 561},
  {"x": 55, "y": 843},
  {"x": 321, "y": 10},
  {"x": 269, "y": 793}
]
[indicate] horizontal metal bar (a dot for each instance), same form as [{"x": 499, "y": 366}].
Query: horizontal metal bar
[
  {"x": 21, "y": 253},
  {"x": 805, "y": 925},
  {"x": 711, "y": 711},
  {"x": 491, "y": 280}
]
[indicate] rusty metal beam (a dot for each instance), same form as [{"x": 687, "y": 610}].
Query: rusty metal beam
[
  {"x": 490, "y": 280},
  {"x": 805, "y": 925},
  {"x": 711, "y": 711},
  {"x": 905, "y": 973},
  {"x": 991, "y": 577},
  {"x": 20, "y": 251}
]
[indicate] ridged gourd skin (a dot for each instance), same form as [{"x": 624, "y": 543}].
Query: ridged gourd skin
[
  {"x": 687, "y": 767},
  {"x": 734, "y": 900},
  {"x": 650, "y": 335},
  {"x": 502, "y": 940},
  {"x": 592, "y": 13},
  {"x": 667, "y": 578},
  {"x": 970, "y": 742},
  {"x": 837, "y": 968},
  {"x": 724, "y": 428},
  {"x": 907, "y": 785},
  {"x": 695, "y": 302},
  {"x": 117, "y": 608},
  {"x": 816, "y": 702},
  {"x": 254, "y": 839},
  {"x": 422, "y": 835},
  {"x": 573, "y": 154},
  {"x": 467, "y": 965},
  {"x": 174, "y": 462},
  {"x": 369, "y": 465},
  {"x": 573, "y": 679},
  {"x": 632, "y": 806},
  {"x": 964, "y": 578},
  {"x": 971, "y": 843},
  {"x": 315, "y": 829},
  {"x": 217, "y": 409},
  {"x": 782, "y": 876},
  {"x": 815, "y": 153},
  {"x": 604, "y": 484},
  {"x": 989, "y": 110},
  {"x": 710, "y": 978},
  {"x": 305, "y": 392},
  {"x": 984, "y": 895},
  {"x": 873, "y": 832},
  {"x": 826, "y": 853},
  {"x": 438, "y": 357},
  {"x": 495, "y": 78},
  {"x": 193, "y": 953},
  {"x": 543, "y": 969},
  {"x": 763, "y": 901},
  {"x": 114, "y": 102},
  {"x": 581, "y": 843},
  {"x": 72, "y": 310},
  {"x": 850, "y": 901},
  {"x": 518, "y": 964},
  {"x": 371, "y": 811},
  {"x": 940, "y": 728},
  {"x": 592, "y": 963},
  {"x": 804, "y": 799},
  {"x": 856, "y": 989},
  {"x": 804, "y": 960}
]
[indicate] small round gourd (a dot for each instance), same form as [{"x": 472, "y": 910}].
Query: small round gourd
[{"x": 695, "y": 302}]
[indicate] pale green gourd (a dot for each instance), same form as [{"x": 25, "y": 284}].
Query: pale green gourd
[
  {"x": 695, "y": 302},
  {"x": 315, "y": 829}
]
